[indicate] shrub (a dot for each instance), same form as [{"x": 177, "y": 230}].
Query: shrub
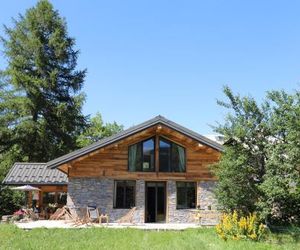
[{"x": 233, "y": 226}]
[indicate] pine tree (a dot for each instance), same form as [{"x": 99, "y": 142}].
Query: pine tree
[
  {"x": 40, "y": 93},
  {"x": 40, "y": 100}
]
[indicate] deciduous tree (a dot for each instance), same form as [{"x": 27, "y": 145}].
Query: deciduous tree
[{"x": 259, "y": 169}]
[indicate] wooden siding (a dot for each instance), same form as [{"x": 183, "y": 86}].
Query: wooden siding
[{"x": 112, "y": 161}]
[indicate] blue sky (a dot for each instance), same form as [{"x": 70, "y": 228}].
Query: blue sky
[{"x": 172, "y": 58}]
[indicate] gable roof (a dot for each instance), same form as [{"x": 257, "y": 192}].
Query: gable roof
[
  {"x": 34, "y": 173},
  {"x": 133, "y": 130}
]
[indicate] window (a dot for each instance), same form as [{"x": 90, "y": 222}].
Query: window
[
  {"x": 171, "y": 156},
  {"x": 62, "y": 198},
  {"x": 48, "y": 198},
  {"x": 186, "y": 195},
  {"x": 124, "y": 194},
  {"x": 141, "y": 156},
  {"x": 164, "y": 156}
]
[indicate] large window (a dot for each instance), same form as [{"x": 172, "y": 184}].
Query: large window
[
  {"x": 171, "y": 156},
  {"x": 186, "y": 195},
  {"x": 141, "y": 156},
  {"x": 124, "y": 194}
]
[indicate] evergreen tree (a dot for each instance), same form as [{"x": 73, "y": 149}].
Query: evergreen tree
[
  {"x": 40, "y": 93},
  {"x": 40, "y": 101}
]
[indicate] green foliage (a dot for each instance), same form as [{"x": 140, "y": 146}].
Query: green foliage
[
  {"x": 40, "y": 96},
  {"x": 97, "y": 130},
  {"x": 281, "y": 186},
  {"x": 40, "y": 93},
  {"x": 259, "y": 170},
  {"x": 40, "y": 100},
  {"x": 235, "y": 190},
  {"x": 235, "y": 227},
  {"x": 10, "y": 200}
]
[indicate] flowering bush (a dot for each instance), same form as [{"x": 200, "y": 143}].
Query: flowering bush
[{"x": 233, "y": 226}]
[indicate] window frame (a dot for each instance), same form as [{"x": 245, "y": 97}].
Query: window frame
[
  {"x": 142, "y": 152},
  {"x": 171, "y": 154},
  {"x": 124, "y": 195},
  {"x": 186, "y": 207}
]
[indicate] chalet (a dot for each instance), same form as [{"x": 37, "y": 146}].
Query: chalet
[{"x": 159, "y": 167}]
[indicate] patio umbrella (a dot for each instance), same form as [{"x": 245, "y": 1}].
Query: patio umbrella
[{"x": 26, "y": 188}]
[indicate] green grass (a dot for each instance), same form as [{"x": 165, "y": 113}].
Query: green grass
[{"x": 12, "y": 237}]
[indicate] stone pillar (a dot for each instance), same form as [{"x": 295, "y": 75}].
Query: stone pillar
[
  {"x": 139, "y": 216},
  {"x": 171, "y": 201},
  {"x": 208, "y": 203},
  {"x": 206, "y": 196}
]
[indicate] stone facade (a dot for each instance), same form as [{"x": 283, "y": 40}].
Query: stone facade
[
  {"x": 208, "y": 203},
  {"x": 176, "y": 215},
  {"x": 205, "y": 201},
  {"x": 99, "y": 192}
]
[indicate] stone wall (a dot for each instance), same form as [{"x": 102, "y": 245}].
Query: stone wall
[
  {"x": 98, "y": 192},
  {"x": 208, "y": 203},
  {"x": 205, "y": 200},
  {"x": 84, "y": 192},
  {"x": 176, "y": 215}
]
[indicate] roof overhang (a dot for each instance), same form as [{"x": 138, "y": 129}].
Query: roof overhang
[{"x": 131, "y": 131}]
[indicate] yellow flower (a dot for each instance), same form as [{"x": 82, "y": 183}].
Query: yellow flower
[
  {"x": 233, "y": 227},
  {"x": 243, "y": 223},
  {"x": 253, "y": 236},
  {"x": 235, "y": 217}
]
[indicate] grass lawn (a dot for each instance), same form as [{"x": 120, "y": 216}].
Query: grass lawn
[{"x": 12, "y": 237}]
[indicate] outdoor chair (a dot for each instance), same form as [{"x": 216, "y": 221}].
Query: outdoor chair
[
  {"x": 93, "y": 214},
  {"x": 80, "y": 216},
  {"x": 104, "y": 218},
  {"x": 31, "y": 214},
  {"x": 128, "y": 218}
]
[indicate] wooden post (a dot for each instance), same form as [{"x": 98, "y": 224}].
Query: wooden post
[
  {"x": 157, "y": 154},
  {"x": 29, "y": 199},
  {"x": 40, "y": 198}
]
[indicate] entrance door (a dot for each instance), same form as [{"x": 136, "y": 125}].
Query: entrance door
[{"x": 155, "y": 202}]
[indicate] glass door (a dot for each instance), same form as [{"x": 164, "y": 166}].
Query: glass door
[{"x": 155, "y": 202}]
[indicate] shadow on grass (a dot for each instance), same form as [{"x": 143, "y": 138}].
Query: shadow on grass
[{"x": 281, "y": 235}]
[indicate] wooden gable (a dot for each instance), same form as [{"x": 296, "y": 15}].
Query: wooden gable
[{"x": 112, "y": 160}]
